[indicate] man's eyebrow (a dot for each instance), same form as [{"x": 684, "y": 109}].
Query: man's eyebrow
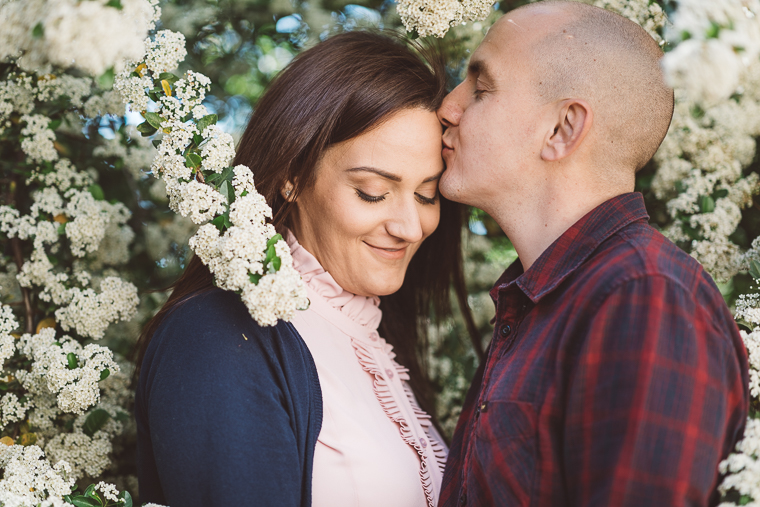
[
  {"x": 479, "y": 68},
  {"x": 388, "y": 175}
]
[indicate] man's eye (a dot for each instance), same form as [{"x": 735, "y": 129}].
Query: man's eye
[{"x": 478, "y": 93}]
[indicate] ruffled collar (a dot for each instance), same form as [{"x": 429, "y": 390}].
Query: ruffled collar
[{"x": 361, "y": 309}]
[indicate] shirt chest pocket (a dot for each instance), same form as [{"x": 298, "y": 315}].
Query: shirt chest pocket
[{"x": 506, "y": 450}]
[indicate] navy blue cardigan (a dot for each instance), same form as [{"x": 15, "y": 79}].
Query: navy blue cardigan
[{"x": 228, "y": 412}]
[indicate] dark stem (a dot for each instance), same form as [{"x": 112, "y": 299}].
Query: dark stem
[{"x": 19, "y": 258}]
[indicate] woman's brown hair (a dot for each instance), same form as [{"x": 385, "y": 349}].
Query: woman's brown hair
[{"x": 333, "y": 92}]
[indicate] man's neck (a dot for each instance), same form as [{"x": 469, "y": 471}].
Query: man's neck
[{"x": 534, "y": 226}]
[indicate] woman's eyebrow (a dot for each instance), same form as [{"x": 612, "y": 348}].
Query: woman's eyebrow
[
  {"x": 375, "y": 170},
  {"x": 388, "y": 175},
  {"x": 433, "y": 178}
]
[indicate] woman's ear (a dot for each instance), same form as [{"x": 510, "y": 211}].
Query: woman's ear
[
  {"x": 573, "y": 123},
  {"x": 287, "y": 192}
]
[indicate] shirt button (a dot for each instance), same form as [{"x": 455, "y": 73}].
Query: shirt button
[
  {"x": 506, "y": 330},
  {"x": 463, "y": 499},
  {"x": 423, "y": 443},
  {"x": 374, "y": 336},
  {"x": 389, "y": 372}
]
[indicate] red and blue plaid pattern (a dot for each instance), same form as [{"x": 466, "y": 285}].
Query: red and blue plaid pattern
[{"x": 616, "y": 376}]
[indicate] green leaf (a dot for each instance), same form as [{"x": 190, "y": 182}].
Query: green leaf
[
  {"x": 167, "y": 76},
  {"x": 105, "y": 81},
  {"x": 209, "y": 119},
  {"x": 122, "y": 417},
  {"x": 226, "y": 190},
  {"x": 154, "y": 119},
  {"x": 126, "y": 498},
  {"x": 691, "y": 232},
  {"x": 193, "y": 160},
  {"x": 116, "y": 4},
  {"x": 38, "y": 30},
  {"x": 90, "y": 491},
  {"x": 274, "y": 239},
  {"x": 72, "y": 360},
  {"x": 152, "y": 95},
  {"x": 82, "y": 501},
  {"x": 197, "y": 139},
  {"x": 719, "y": 194},
  {"x": 54, "y": 124},
  {"x": 706, "y": 204},
  {"x": 61, "y": 229},
  {"x": 254, "y": 278},
  {"x": 754, "y": 269},
  {"x": 213, "y": 178},
  {"x": 276, "y": 263},
  {"x": 95, "y": 421},
  {"x": 97, "y": 192},
  {"x": 146, "y": 129},
  {"x": 105, "y": 374},
  {"x": 156, "y": 143}
]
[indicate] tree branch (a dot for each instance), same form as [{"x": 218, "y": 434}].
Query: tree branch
[{"x": 18, "y": 257}]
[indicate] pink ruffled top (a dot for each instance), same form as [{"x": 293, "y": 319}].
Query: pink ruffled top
[{"x": 376, "y": 446}]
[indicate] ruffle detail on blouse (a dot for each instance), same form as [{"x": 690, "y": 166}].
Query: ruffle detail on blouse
[
  {"x": 363, "y": 310},
  {"x": 431, "y": 446}
]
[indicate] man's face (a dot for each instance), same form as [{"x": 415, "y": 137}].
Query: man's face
[{"x": 493, "y": 138}]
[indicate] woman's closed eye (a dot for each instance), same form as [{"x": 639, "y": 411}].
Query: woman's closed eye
[
  {"x": 426, "y": 200},
  {"x": 378, "y": 198},
  {"x": 370, "y": 198}
]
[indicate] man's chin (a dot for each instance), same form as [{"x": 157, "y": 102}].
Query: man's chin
[{"x": 452, "y": 187}]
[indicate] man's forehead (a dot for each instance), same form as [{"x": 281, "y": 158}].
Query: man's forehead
[{"x": 514, "y": 34}]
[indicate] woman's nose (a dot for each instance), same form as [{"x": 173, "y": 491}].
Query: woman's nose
[
  {"x": 451, "y": 109},
  {"x": 405, "y": 223}
]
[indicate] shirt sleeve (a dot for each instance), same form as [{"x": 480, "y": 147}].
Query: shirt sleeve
[
  {"x": 654, "y": 392},
  {"x": 220, "y": 418}
]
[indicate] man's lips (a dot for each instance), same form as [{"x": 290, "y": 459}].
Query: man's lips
[
  {"x": 388, "y": 253},
  {"x": 446, "y": 149}
]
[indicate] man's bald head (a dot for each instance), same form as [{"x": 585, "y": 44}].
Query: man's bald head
[{"x": 610, "y": 62}]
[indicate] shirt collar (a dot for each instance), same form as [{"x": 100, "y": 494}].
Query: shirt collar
[{"x": 573, "y": 247}]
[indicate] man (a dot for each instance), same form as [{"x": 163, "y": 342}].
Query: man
[{"x": 616, "y": 375}]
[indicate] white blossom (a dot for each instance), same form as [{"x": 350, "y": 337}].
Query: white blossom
[
  {"x": 29, "y": 478},
  {"x": 38, "y": 140},
  {"x": 90, "y": 312}
]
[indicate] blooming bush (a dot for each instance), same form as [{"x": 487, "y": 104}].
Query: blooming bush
[{"x": 85, "y": 230}]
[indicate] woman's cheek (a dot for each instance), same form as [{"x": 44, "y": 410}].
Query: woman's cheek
[{"x": 430, "y": 216}]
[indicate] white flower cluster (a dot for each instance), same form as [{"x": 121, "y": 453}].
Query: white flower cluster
[
  {"x": 239, "y": 253},
  {"x": 721, "y": 37},
  {"x": 38, "y": 141},
  {"x": 89, "y": 313},
  {"x": 435, "y": 17},
  {"x": 92, "y": 36},
  {"x": 29, "y": 479},
  {"x": 700, "y": 171},
  {"x": 8, "y": 324},
  {"x": 742, "y": 468},
  {"x": 245, "y": 258},
  {"x": 68, "y": 370}
]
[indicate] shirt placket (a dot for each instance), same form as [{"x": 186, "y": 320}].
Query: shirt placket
[{"x": 511, "y": 307}]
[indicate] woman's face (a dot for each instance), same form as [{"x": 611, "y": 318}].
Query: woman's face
[{"x": 374, "y": 200}]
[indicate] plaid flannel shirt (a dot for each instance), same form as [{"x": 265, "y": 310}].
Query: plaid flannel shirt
[{"x": 616, "y": 376}]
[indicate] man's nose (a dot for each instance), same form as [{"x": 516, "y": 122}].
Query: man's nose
[{"x": 452, "y": 107}]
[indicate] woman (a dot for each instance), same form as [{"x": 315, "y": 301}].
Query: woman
[{"x": 346, "y": 148}]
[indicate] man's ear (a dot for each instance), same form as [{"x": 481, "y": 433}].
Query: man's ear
[{"x": 573, "y": 123}]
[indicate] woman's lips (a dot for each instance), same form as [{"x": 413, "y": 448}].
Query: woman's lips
[{"x": 388, "y": 253}]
